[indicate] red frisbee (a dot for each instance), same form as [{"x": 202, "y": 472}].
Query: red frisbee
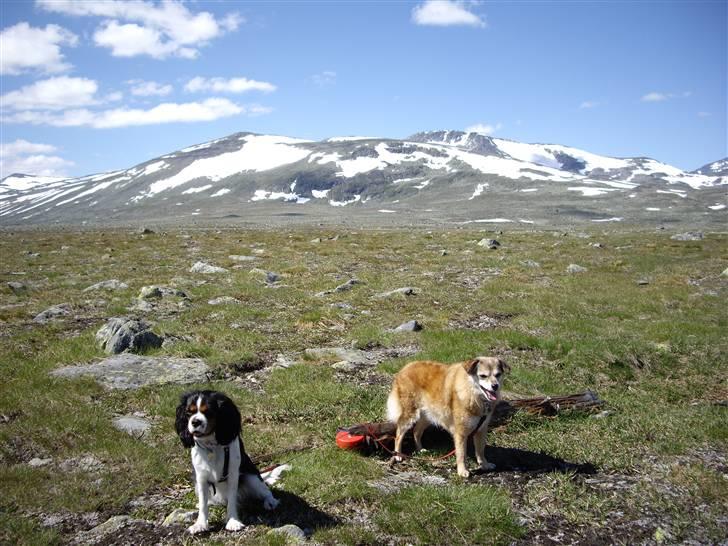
[{"x": 349, "y": 441}]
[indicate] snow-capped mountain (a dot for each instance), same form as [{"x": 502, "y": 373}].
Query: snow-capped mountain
[
  {"x": 717, "y": 168},
  {"x": 442, "y": 175}
]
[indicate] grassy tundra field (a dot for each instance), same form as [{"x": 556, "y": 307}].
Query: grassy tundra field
[{"x": 644, "y": 326}]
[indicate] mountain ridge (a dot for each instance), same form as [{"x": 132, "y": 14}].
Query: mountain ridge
[{"x": 449, "y": 174}]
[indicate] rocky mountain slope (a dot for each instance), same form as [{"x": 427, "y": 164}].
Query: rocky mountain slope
[{"x": 431, "y": 177}]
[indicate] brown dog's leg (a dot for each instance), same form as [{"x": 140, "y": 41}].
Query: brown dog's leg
[
  {"x": 420, "y": 427},
  {"x": 461, "y": 452},
  {"x": 479, "y": 443}
]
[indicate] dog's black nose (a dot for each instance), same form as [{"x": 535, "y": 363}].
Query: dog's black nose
[
  {"x": 196, "y": 422},
  {"x": 494, "y": 386}
]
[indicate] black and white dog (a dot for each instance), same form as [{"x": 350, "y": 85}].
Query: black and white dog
[{"x": 209, "y": 423}]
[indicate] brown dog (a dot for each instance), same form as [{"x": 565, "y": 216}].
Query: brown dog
[{"x": 458, "y": 397}]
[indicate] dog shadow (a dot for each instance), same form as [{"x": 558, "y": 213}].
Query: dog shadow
[
  {"x": 506, "y": 459},
  {"x": 291, "y": 510}
]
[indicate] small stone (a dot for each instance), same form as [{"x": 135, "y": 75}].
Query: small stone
[
  {"x": 492, "y": 244},
  {"x": 316, "y": 240},
  {"x": 574, "y": 268},
  {"x": 121, "y": 334},
  {"x": 291, "y": 533},
  {"x": 223, "y": 300},
  {"x": 55, "y": 312},
  {"x": 132, "y": 425},
  {"x": 239, "y": 258},
  {"x": 443, "y": 252},
  {"x": 348, "y": 285},
  {"x": 724, "y": 273},
  {"x": 18, "y": 288},
  {"x": 688, "y": 236},
  {"x": 410, "y": 326},
  {"x": 146, "y": 231},
  {"x": 112, "y": 284},
  {"x": 643, "y": 282},
  {"x": 203, "y": 267},
  {"x": 405, "y": 291},
  {"x": 35, "y": 462},
  {"x": 180, "y": 516},
  {"x": 531, "y": 264}
]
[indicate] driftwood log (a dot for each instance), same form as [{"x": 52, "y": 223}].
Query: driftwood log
[{"x": 539, "y": 405}]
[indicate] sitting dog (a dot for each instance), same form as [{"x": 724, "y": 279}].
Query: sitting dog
[
  {"x": 459, "y": 398},
  {"x": 209, "y": 423}
]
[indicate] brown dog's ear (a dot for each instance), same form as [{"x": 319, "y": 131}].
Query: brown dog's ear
[
  {"x": 471, "y": 365},
  {"x": 505, "y": 368}
]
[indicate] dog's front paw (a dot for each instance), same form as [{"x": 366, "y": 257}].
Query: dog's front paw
[
  {"x": 487, "y": 466},
  {"x": 463, "y": 473},
  {"x": 199, "y": 527},
  {"x": 271, "y": 503},
  {"x": 233, "y": 525}
]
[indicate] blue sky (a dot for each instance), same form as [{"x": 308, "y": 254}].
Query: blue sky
[{"x": 94, "y": 86}]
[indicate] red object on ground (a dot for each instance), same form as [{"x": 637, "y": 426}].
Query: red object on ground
[{"x": 345, "y": 440}]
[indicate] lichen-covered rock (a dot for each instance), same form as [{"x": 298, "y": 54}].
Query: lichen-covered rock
[
  {"x": 129, "y": 371},
  {"x": 52, "y": 313},
  {"x": 121, "y": 334}
]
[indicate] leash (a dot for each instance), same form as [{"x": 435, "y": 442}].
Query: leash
[{"x": 428, "y": 459}]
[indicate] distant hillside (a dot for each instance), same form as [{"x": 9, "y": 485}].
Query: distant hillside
[{"x": 439, "y": 176}]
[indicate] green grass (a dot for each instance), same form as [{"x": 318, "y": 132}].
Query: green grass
[{"x": 656, "y": 353}]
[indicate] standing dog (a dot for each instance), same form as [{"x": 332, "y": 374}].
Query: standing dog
[
  {"x": 459, "y": 398},
  {"x": 209, "y": 423}
]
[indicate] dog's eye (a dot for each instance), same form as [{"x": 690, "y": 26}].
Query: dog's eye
[
  {"x": 497, "y": 375},
  {"x": 482, "y": 376}
]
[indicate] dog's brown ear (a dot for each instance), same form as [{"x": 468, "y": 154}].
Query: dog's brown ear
[
  {"x": 505, "y": 368},
  {"x": 471, "y": 365}
]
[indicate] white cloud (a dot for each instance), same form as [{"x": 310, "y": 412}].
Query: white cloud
[
  {"x": 52, "y": 94},
  {"x": 484, "y": 129},
  {"x": 656, "y": 96},
  {"x": 141, "y": 88},
  {"x": 588, "y": 104},
  {"x": 159, "y": 30},
  {"x": 25, "y": 48},
  {"x": 446, "y": 13},
  {"x": 704, "y": 114},
  {"x": 225, "y": 85},
  {"x": 325, "y": 78},
  {"x": 26, "y": 157},
  {"x": 207, "y": 110}
]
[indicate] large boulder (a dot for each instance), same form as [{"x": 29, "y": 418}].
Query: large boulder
[{"x": 121, "y": 334}]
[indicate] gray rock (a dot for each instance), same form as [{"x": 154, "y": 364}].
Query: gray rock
[
  {"x": 85, "y": 463},
  {"x": 36, "y": 462},
  {"x": 291, "y": 533},
  {"x": 154, "y": 291},
  {"x": 316, "y": 240},
  {"x": 52, "y": 313},
  {"x": 531, "y": 264},
  {"x": 129, "y": 371},
  {"x": 410, "y": 326},
  {"x": 112, "y": 284},
  {"x": 121, "y": 334},
  {"x": 348, "y": 285},
  {"x": 239, "y": 258},
  {"x": 724, "y": 273},
  {"x": 346, "y": 366},
  {"x": 203, "y": 267},
  {"x": 223, "y": 300},
  {"x": 132, "y": 425},
  {"x": 145, "y": 231},
  {"x": 492, "y": 244},
  {"x": 405, "y": 291},
  {"x": 180, "y": 516},
  {"x": 18, "y": 288},
  {"x": 104, "y": 533},
  {"x": 574, "y": 268},
  {"x": 688, "y": 236}
]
